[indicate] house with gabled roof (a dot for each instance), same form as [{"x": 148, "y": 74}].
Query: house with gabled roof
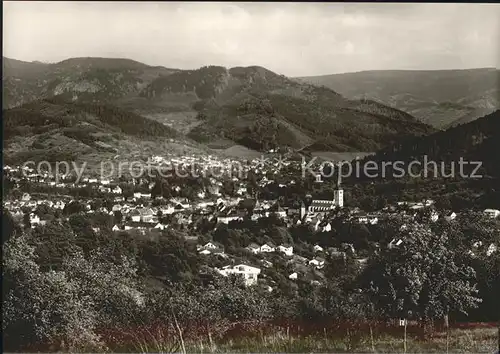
[
  {"x": 492, "y": 213},
  {"x": 117, "y": 190},
  {"x": 287, "y": 250},
  {"x": 231, "y": 215},
  {"x": 277, "y": 210},
  {"x": 210, "y": 248},
  {"x": 249, "y": 273},
  {"x": 254, "y": 248},
  {"x": 160, "y": 226},
  {"x": 147, "y": 215},
  {"x": 450, "y": 216},
  {"x": 318, "y": 262},
  {"x": 267, "y": 248},
  {"x": 318, "y": 248}
]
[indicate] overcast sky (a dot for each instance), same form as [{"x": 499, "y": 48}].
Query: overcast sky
[{"x": 294, "y": 39}]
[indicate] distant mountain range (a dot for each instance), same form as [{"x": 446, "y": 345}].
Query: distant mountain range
[
  {"x": 240, "y": 109},
  {"x": 215, "y": 106},
  {"x": 260, "y": 109},
  {"x": 441, "y": 98}
]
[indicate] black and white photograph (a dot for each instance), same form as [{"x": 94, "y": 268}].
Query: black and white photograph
[{"x": 250, "y": 177}]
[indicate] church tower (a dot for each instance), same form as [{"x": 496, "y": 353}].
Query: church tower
[
  {"x": 338, "y": 196},
  {"x": 302, "y": 210}
]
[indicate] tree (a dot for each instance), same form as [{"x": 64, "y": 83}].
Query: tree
[
  {"x": 74, "y": 207},
  {"x": 9, "y": 227},
  {"x": 52, "y": 243},
  {"x": 42, "y": 209},
  {"x": 42, "y": 308},
  {"x": 118, "y": 217},
  {"x": 85, "y": 236},
  {"x": 26, "y": 220},
  {"x": 422, "y": 279}
]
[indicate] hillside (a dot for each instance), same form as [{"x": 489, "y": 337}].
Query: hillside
[
  {"x": 441, "y": 98},
  {"x": 219, "y": 107},
  {"x": 259, "y": 109},
  {"x": 476, "y": 142},
  {"x": 82, "y": 79},
  {"x": 57, "y": 130}
]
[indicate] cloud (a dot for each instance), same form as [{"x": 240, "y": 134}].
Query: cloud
[{"x": 290, "y": 38}]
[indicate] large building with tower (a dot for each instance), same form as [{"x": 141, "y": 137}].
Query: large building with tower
[{"x": 310, "y": 205}]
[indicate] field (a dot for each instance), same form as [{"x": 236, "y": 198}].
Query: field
[{"x": 266, "y": 338}]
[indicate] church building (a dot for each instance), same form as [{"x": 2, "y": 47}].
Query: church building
[{"x": 322, "y": 205}]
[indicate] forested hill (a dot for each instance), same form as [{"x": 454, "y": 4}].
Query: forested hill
[
  {"x": 57, "y": 130},
  {"x": 260, "y": 109},
  {"x": 86, "y": 79},
  {"x": 474, "y": 185},
  {"x": 219, "y": 107},
  {"x": 478, "y": 140}
]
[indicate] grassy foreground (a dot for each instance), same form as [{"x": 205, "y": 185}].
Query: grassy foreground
[{"x": 478, "y": 340}]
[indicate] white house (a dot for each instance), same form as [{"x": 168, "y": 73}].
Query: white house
[
  {"x": 104, "y": 189},
  {"x": 145, "y": 215},
  {"x": 266, "y": 248},
  {"x": 59, "y": 204},
  {"x": 491, "y": 249},
  {"x": 394, "y": 243},
  {"x": 327, "y": 228},
  {"x": 210, "y": 248},
  {"x": 318, "y": 262},
  {"x": 241, "y": 190},
  {"x": 227, "y": 219},
  {"x": 254, "y": 248},
  {"x": 286, "y": 250},
  {"x": 450, "y": 217},
  {"x": 249, "y": 273},
  {"x": 492, "y": 213},
  {"x": 116, "y": 207},
  {"x": 34, "y": 219},
  {"x": 167, "y": 209},
  {"x": 117, "y": 190},
  {"x": 317, "y": 248},
  {"x": 428, "y": 202},
  {"x": 135, "y": 215},
  {"x": 363, "y": 219},
  {"x": 208, "y": 245},
  {"x": 160, "y": 226},
  {"x": 293, "y": 276},
  {"x": 372, "y": 219}
]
